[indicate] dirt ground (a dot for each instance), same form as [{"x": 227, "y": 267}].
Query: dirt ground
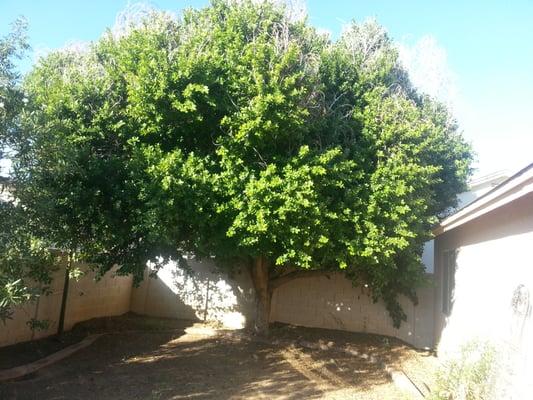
[{"x": 147, "y": 358}]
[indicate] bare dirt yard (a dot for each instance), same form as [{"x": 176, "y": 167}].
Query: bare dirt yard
[{"x": 148, "y": 358}]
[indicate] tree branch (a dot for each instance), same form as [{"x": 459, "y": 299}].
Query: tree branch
[{"x": 283, "y": 279}]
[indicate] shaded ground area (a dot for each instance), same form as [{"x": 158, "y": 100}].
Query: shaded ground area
[
  {"x": 24, "y": 353},
  {"x": 168, "y": 359}
]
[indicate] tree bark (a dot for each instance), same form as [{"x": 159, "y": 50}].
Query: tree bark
[
  {"x": 260, "y": 278},
  {"x": 61, "y": 323}
]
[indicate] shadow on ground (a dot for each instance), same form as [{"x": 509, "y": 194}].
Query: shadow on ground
[{"x": 195, "y": 362}]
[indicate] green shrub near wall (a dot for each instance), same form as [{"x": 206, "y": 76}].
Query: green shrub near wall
[{"x": 471, "y": 374}]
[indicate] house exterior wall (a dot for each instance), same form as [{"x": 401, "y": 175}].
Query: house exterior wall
[
  {"x": 334, "y": 303},
  {"x": 87, "y": 299},
  {"x": 494, "y": 268},
  {"x": 201, "y": 292},
  {"x": 475, "y": 190}
]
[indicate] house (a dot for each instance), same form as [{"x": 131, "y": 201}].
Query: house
[
  {"x": 479, "y": 186},
  {"x": 476, "y": 188},
  {"x": 484, "y": 277}
]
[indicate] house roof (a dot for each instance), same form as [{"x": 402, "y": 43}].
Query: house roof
[
  {"x": 491, "y": 179},
  {"x": 506, "y": 192}
]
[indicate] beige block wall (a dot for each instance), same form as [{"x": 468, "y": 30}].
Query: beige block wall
[
  {"x": 334, "y": 303},
  {"x": 204, "y": 293},
  {"x": 207, "y": 294},
  {"x": 495, "y": 257},
  {"x": 87, "y": 299}
]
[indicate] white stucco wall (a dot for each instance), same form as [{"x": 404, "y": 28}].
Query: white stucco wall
[
  {"x": 477, "y": 188},
  {"x": 494, "y": 264}
]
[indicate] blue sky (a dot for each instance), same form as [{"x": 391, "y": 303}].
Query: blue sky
[{"x": 483, "y": 49}]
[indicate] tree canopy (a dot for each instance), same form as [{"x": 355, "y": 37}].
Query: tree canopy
[
  {"x": 12, "y": 47},
  {"x": 25, "y": 261},
  {"x": 237, "y": 132}
]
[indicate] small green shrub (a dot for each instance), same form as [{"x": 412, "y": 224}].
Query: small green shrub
[
  {"x": 468, "y": 376},
  {"x": 38, "y": 324}
]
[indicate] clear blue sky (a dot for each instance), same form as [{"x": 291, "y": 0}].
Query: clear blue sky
[{"x": 489, "y": 47}]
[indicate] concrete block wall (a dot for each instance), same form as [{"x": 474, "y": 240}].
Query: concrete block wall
[
  {"x": 334, "y": 303},
  {"x": 87, "y": 299},
  {"x": 201, "y": 292},
  {"x": 207, "y": 294},
  {"x": 16, "y": 330}
]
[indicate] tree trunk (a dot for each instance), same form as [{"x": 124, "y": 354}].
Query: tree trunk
[
  {"x": 61, "y": 323},
  {"x": 263, "y": 295}
]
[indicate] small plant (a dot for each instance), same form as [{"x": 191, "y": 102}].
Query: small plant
[
  {"x": 38, "y": 324},
  {"x": 76, "y": 273},
  {"x": 468, "y": 376},
  {"x": 12, "y": 293}
]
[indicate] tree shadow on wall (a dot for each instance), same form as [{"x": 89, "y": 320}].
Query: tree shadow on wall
[
  {"x": 214, "y": 294},
  {"x": 200, "y": 291}
]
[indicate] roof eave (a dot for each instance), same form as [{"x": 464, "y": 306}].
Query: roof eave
[{"x": 508, "y": 191}]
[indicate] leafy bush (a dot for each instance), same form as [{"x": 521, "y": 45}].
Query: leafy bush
[
  {"x": 38, "y": 324},
  {"x": 26, "y": 263}
]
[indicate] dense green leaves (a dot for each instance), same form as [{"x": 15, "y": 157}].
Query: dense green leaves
[
  {"x": 26, "y": 262},
  {"x": 236, "y": 132},
  {"x": 12, "y": 47}
]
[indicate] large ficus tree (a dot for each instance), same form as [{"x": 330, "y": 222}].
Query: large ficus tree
[{"x": 236, "y": 132}]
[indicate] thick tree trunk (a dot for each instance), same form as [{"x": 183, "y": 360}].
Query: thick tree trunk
[{"x": 260, "y": 279}]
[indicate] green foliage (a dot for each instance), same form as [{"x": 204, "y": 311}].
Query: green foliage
[
  {"x": 25, "y": 261},
  {"x": 38, "y": 324},
  {"x": 22, "y": 271},
  {"x": 468, "y": 376},
  {"x": 12, "y": 47},
  {"x": 236, "y": 132}
]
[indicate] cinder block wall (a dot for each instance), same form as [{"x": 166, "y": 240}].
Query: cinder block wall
[
  {"x": 210, "y": 295},
  {"x": 207, "y": 294},
  {"x": 201, "y": 293},
  {"x": 334, "y": 303},
  {"x": 87, "y": 299}
]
